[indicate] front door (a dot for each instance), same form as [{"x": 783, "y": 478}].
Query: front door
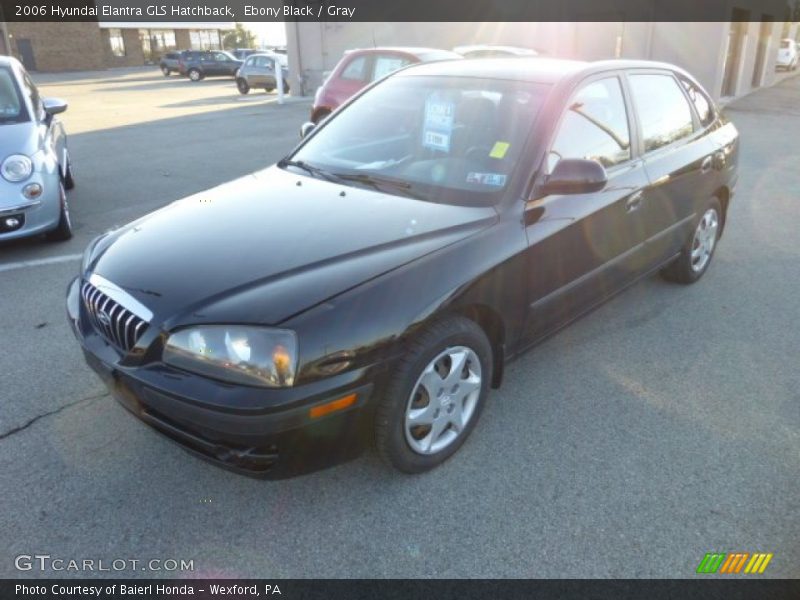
[{"x": 584, "y": 247}]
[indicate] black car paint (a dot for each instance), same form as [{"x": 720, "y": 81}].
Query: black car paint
[{"x": 354, "y": 286}]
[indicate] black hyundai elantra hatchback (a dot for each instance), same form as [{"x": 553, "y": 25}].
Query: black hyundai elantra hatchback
[{"x": 370, "y": 287}]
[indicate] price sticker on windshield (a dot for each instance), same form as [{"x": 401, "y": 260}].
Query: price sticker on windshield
[{"x": 438, "y": 125}]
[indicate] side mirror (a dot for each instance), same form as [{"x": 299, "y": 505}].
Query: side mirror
[
  {"x": 54, "y": 106},
  {"x": 306, "y": 128},
  {"x": 575, "y": 176}
]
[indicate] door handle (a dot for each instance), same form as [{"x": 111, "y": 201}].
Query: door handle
[
  {"x": 633, "y": 202},
  {"x": 706, "y": 165}
]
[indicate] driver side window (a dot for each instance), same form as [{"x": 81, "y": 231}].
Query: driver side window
[{"x": 595, "y": 126}]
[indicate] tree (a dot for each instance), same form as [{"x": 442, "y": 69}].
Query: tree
[{"x": 238, "y": 38}]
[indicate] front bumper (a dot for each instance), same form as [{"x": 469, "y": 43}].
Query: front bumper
[
  {"x": 260, "y": 432},
  {"x": 37, "y": 216}
]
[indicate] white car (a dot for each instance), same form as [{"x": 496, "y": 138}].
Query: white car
[
  {"x": 488, "y": 51},
  {"x": 787, "y": 55}
]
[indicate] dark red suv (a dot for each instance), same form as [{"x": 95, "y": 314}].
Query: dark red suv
[{"x": 358, "y": 68}]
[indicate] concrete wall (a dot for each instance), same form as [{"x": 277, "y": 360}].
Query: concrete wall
[{"x": 700, "y": 48}]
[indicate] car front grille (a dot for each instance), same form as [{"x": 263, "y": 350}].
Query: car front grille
[{"x": 113, "y": 321}]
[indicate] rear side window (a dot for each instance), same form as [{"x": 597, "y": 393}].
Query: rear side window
[
  {"x": 356, "y": 69},
  {"x": 595, "y": 126},
  {"x": 385, "y": 64},
  {"x": 663, "y": 110},
  {"x": 702, "y": 104}
]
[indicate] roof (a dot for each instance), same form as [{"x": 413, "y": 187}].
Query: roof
[
  {"x": 406, "y": 49},
  {"x": 533, "y": 69},
  {"x": 7, "y": 61}
]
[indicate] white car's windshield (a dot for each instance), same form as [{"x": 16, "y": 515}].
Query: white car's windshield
[
  {"x": 12, "y": 109},
  {"x": 445, "y": 139}
]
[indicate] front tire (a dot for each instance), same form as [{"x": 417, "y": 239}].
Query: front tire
[
  {"x": 63, "y": 230},
  {"x": 69, "y": 179},
  {"x": 435, "y": 397},
  {"x": 165, "y": 71},
  {"x": 697, "y": 252},
  {"x": 242, "y": 86}
]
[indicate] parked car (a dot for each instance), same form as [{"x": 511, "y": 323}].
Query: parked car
[
  {"x": 373, "y": 283},
  {"x": 169, "y": 63},
  {"x": 199, "y": 64},
  {"x": 242, "y": 53},
  {"x": 258, "y": 71},
  {"x": 35, "y": 169},
  {"x": 787, "y": 55},
  {"x": 358, "y": 68},
  {"x": 487, "y": 51}
]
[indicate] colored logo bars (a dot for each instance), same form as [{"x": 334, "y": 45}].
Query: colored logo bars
[{"x": 733, "y": 562}]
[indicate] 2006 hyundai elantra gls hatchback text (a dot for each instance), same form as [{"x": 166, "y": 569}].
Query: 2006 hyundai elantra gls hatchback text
[{"x": 370, "y": 287}]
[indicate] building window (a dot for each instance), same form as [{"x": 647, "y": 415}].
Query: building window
[
  {"x": 116, "y": 41},
  {"x": 204, "y": 39}
]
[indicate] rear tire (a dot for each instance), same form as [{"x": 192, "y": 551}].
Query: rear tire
[
  {"x": 242, "y": 86},
  {"x": 435, "y": 396},
  {"x": 63, "y": 230},
  {"x": 195, "y": 74},
  {"x": 697, "y": 252},
  {"x": 165, "y": 71}
]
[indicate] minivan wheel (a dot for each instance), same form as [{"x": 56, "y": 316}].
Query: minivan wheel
[
  {"x": 243, "y": 86},
  {"x": 63, "y": 230},
  {"x": 195, "y": 75},
  {"x": 435, "y": 396},
  {"x": 696, "y": 255},
  {"x": 165, "y": 71}
]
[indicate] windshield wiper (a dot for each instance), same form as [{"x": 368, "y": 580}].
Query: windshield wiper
[
  {"x": 378, "y": 182},
  {"x": 310, "y": 169}
]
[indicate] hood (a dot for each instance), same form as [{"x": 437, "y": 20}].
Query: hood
[
  {"x": 18, "y": 138},
  {"x": 269, "y": 245}
]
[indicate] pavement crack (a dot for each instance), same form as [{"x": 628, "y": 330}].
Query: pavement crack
[{"x": 62, "y": 408}]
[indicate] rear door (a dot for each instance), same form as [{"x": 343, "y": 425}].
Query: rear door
[
  {"x": 584, "y": 247},
  {"x": 678, "y": 155}
]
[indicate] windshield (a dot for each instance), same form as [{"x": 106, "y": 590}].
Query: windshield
[
  {"x": 12, "y": 110},
  {"x": 445, "y": 139}
]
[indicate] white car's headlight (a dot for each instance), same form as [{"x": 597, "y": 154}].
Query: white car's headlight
[
  {"x": 249, "y": 355},
  {"x": 16, "y": 167}
]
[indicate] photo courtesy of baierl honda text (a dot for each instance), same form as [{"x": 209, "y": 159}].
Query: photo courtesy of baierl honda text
[{"x": 351, "y": 299}]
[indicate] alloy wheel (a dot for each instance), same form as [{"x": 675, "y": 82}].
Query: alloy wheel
[
  {"x": 443, "y": 400},
  {"x": 705, "y": 237}
]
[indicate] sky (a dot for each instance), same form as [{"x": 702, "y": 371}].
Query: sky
[{"x": 268, "y": 33}]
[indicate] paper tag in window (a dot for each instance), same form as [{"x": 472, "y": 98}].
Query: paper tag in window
[
  {"x": 499, "y": 149},
  {"x": 438, "y": 123}
]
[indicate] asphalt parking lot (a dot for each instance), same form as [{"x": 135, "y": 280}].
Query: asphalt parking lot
[{"x": 664, "y": 425}]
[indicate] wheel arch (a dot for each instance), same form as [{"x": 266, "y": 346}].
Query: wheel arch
[
  {"x": 723, "y": 194},
  {"x": 493, "y": 325}
]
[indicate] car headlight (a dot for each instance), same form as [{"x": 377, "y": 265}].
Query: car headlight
[
  {"x": 248, "y": 355},
  {"x": 16, "y": 167}
]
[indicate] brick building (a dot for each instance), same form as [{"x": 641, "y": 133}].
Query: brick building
[{"x": 89, "y": 45}]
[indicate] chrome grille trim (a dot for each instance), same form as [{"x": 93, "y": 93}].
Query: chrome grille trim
[{"x": 117, "y": 316}]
